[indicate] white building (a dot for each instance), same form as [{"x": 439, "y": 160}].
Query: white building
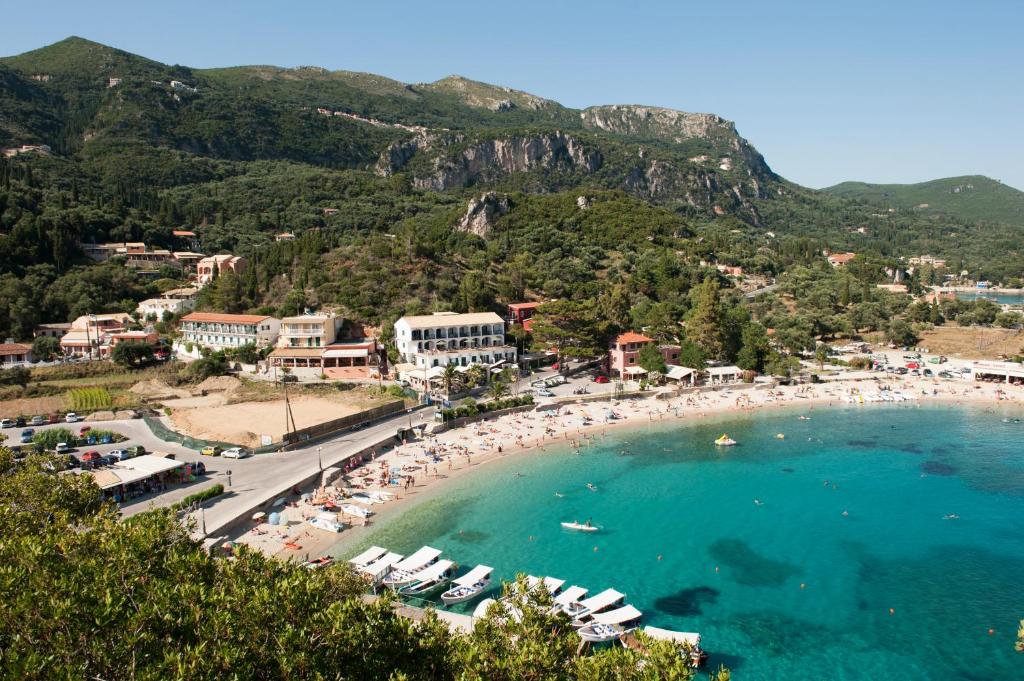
[
  {"x": 157, "y": 306},
  {"x": 220, "y": 331},
  {"x": 443, "y": 338}
]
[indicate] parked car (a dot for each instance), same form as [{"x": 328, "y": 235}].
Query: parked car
[
  {"x": 26, "y": 435},
  {"x": 601, "y": 378},
  {"x": 108, "y": 460},
  {"x": 38, "y": 421},
  {"x": 121, "y": 454},
  {"x": 136, "y": 450},
  {"x": 6, "y": 423},
  {"x": 91, "y": 456},
  {"x": 945, "y": 374},
  {"x": 83, "y": 430},
  {"x": 928, "y": 373},
  {"x": 902, "y": 371},
  {"x": 71, "y": 417},
  {"x": 195, "y": 468},
  {"x": 211, "y": 451},
  {"x": 236, "y": 453},
  {"x": 62, "y": 448},
  {"x": 543, "y": 392},
  {"x": 19, "y": 422}
]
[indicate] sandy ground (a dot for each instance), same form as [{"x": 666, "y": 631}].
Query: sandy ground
[
  {"x": 972, "y": 342},
  {"x": 431, "y": 461},
  {"x": 32, "y": 406},
  {"x": 245, "y": 422}
]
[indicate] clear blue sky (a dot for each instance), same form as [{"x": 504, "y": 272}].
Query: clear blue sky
[{"x": 897, "y": 91}]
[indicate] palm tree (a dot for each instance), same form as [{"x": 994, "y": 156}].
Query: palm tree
[
  {"x": 449, "y": 376},
  {"x": 497, "y": 390}
]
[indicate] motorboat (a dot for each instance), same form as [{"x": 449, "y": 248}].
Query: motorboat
[
  {"x": 468, "y": 586},
  {"x": 317, "y": 563},
  {"x": 358, "y": 511},
  {"x": 689, "y": 643},
  {"x": 581, "y": 610},
  {"x": 429, "y": 580},
  {"x": 725, "y": 441},
  {"x": 608, "y": 626},
  {"x": 380, "y": 568},
  {"x": 327, "y": 521},
  {"x": 581, "y": 527},
  {"x": 552, "y": 584},
  {"x": 404, "y": 572},
  {"x": 368, "y": 556}
]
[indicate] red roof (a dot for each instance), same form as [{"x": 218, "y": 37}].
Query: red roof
[
  {"x": 632, "y": 337},
  {"x": 842, "y": 257},
  {"x": 182, "y": 232},
  {"x": 224, "y": 318},
  {"x": 14, "y": 348},
  {"x": 524, "y": 306}
]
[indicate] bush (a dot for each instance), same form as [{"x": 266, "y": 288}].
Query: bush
[
  {"x": 48, "y": 439},
  {"x": 198, "y": 497}
]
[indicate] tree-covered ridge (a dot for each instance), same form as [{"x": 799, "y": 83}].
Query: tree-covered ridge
[{"x": 969, "y": 197}]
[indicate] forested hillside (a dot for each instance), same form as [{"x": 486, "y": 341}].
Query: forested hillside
[{"x": 453, "y": 194}]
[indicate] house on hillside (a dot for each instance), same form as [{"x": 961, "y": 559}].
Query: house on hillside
[
  {"x": 222, "y": 331},
  {"x": 841, "y": 259},
  {"x": 522, "y": 313},
  {"x": 213, "y": 266},
  {"x": 15, "y": 353},
  {"x": 624, "y": 354}
]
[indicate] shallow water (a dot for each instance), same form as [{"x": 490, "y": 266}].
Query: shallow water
[{"x": 791, "y": 587}]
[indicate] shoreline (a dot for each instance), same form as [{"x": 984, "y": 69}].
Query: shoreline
[{"x": 463, "y": 451}]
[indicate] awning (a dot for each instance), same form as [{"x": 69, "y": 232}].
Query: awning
[
  {"x": 634, "y": 371},
  {"x": 368, "y": 556},
  {"x": 355, "y": 352},
  {"x": 474, "y": 575},
  {"x": 602, "y": 600},
  {"x": 433, "y": 571},
  {"x": 618, "y": 616},
  {"x": 677, "y": 373},
  {"x": 418, "y": 560},
  {"x": 551, "y": 583},
  {"x": 147, "y": 464},
  {"x": 305, "y": 353},
  {"x": 675, "y": 636},
  {"x": 570, "y": 595},
  {"x": 435, "y": 372},
  {"x": 380, "y": 567}
]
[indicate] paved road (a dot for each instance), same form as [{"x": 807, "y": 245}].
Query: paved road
[
  {"x": 252, "y": 478},
  {"x": 764, "y": 289}
]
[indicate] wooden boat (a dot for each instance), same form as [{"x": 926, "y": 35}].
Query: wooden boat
[
  {"x": 608, "y": 626},
  {"x": 468, "y": 586},
  {"x": 405, "y": 572},
  {"x": 429, "y": 580},
  {"x": 317, "y": 563},
  {"x": 580, "y": 611}
]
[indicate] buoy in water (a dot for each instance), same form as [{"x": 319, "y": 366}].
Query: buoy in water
[
  {"x": 659, "y": 556},
  {"x": 892, "y": 611},
  {"x": 803, "y": 585},
  {"x": 595, "y": 549}
]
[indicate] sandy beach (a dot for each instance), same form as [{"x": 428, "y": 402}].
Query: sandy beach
[{"x": 417, "y": 470}]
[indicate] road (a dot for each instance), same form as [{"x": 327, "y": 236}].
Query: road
[
  {"x": 251, "y": 479},
  {"x": 764, "y": 289}
]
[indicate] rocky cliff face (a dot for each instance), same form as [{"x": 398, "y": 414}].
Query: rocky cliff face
[
  {"x": 482, "y": 213},
  {"x": 490, "y": 159}
]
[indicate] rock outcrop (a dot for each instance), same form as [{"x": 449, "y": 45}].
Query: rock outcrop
[
  {"x": 491, "y": 159},
  {"x": 482, "y": 213}
]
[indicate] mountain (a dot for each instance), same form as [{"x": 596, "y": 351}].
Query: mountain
[{"x": 970, "y": 197}]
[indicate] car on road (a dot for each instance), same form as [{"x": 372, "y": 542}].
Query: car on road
[
  {"x": 928, "y": 373},
  {"x": 122, "y": 454},
  {"x": 83, "y": 430},
  {"x": 236, "y": 453},
  {"x": 902, "y": 371},
  {"x": 211, "y": 451},
  {"x": 26, "y": 435},
  {"x": 601, "y": 378},
  {"x": 107, "y": 460},
  {"x": 543, "y": 392},
  {"x": 195, "y": 468},
  {"x": 6, "y": 423},
  {"x": 71, "y": 417},
  {"x": 38, "y": 421},
  {"x": 19, "y": 422},
  {"x": 91, "y": 456}
]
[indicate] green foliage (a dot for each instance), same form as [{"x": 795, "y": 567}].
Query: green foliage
[
  {"x": 45, "y": 348},
  {"x": 471, "y": 408},
  {"x": 131, "y": 354},
  {"x": 755, "y": 348},
  {"x": 86, "y": 400},
  {"x": 18, "y": 375},
  {"x": 205, "y": 495},
  {"x": 651, "y": 359},
  {"x": 48, "y": 439},
  {"x": 212, "y": 364},
  {"x": 901, "y": 333}
]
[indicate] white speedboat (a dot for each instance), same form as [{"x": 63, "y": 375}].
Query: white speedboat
[
  {"x": 582, "y": 610},
  {"x": 404, "y": 572},
  {"x": 581, "y": 527},
  {"x": 725, "y": 441},
  {"x": 429, "y": 580},
  {"x": 608, "y": 626},
  {"x": 570, "y": 595},
  {"x": 468, "y": 586},
  {"x": 358, "y": 511},
  {"x": 368, "y": 556}
]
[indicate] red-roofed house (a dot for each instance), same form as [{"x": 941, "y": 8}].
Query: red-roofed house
[
  {"x": 15, "y": 353},
  {"x": 623, "y": 356},
  {"x": 218, "y": 331},
  {"x": 841, "y": 259},
  {"x": 522, "y": 313}
]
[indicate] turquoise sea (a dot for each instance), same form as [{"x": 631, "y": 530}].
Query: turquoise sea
[
  {"x": 1000, "y": 298},
  {"x": 790, "y": 588}
]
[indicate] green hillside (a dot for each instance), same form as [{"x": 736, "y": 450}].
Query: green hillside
[{"x": 970, "y": 197}]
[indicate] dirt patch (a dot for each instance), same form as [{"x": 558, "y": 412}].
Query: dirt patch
[
  {"x": 157, "y": 391},
  {"x": 219, "y": 384},
  {"x": 243, "y": 423},
  {"x": 972, "y": 342},
  {"x": 32, "y": 406},
  {"x": 101, "y": 416}
]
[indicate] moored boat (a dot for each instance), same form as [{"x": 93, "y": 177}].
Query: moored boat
[
  {"x": 580, "y": 611},
  {"x": 468, "y": 586},
  {"x": 581, "y": 527},
  {"x": 725, "y": 441},
  {"x": 429, "y": 580},
  {"x": 404, "y": 572},
  {"x": 608, "y": 626}
]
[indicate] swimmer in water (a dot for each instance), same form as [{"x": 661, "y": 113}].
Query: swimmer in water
[
  {"x": 846, "y": 513},
  {"x": 758, "y": 502},
  {"x": 559, "y": 495}
]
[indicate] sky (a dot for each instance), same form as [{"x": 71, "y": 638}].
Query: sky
[{"x": 897, "y": 91}]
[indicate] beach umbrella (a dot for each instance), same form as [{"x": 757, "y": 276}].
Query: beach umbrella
[{"x": 259, "y": 516}]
